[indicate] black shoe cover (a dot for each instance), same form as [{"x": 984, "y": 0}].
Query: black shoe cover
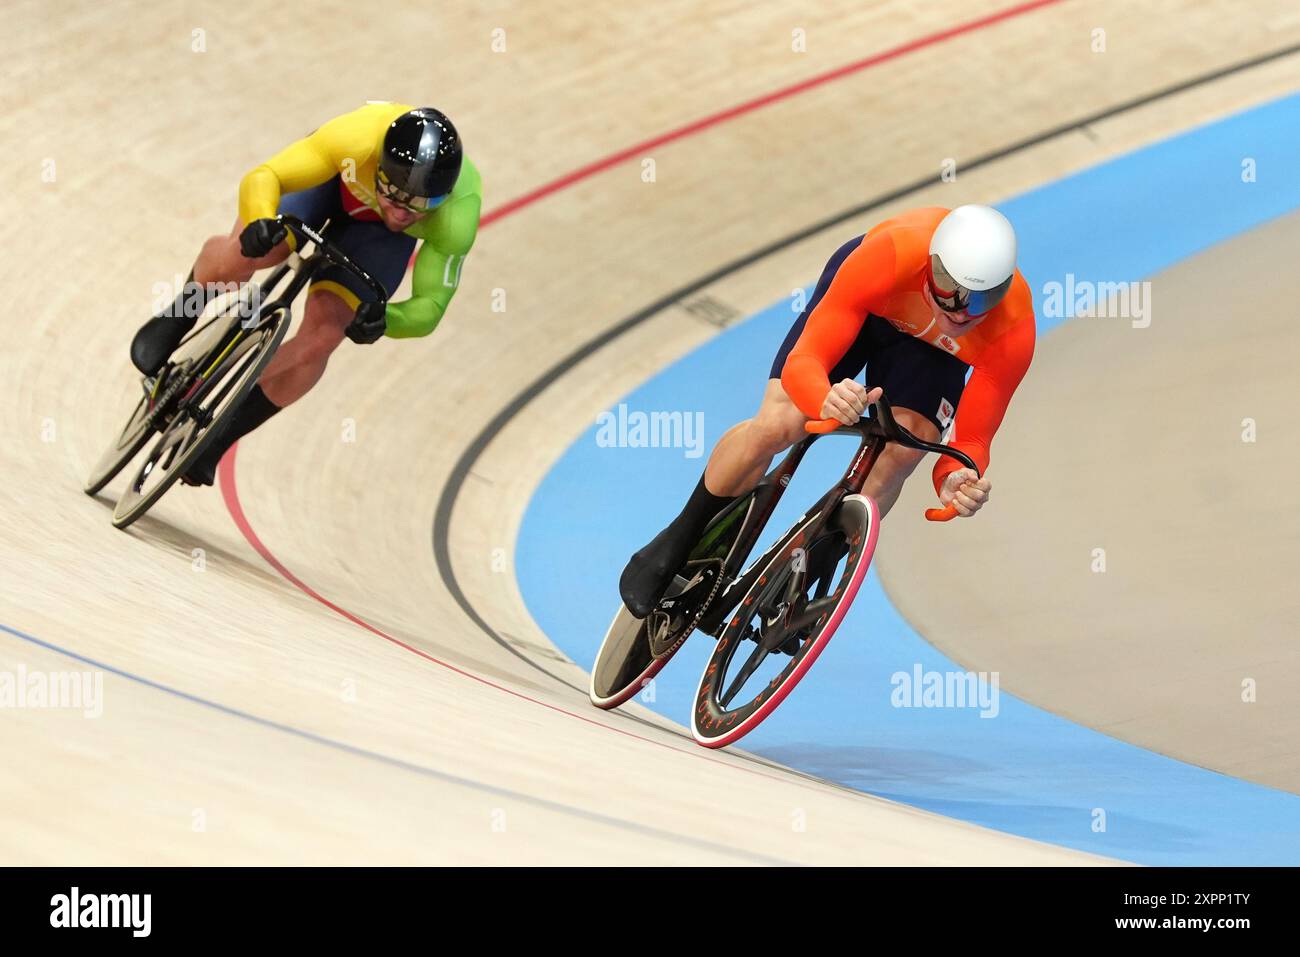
[
  {"x": 156, "y": 341},
  {"x": 650, "y": 571},
  {"x": 204, "y": 469}
]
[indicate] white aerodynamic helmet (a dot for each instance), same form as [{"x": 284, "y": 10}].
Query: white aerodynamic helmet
[{"x": 972, "y": 259}]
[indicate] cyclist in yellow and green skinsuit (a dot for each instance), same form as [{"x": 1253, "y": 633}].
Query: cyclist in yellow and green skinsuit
[{"x": 385, "y": 176}]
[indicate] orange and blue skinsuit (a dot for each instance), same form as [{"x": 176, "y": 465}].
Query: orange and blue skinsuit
[{"x": 884, "y": 276}]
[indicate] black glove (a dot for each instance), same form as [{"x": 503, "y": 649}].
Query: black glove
[
  {"x": 260, "y": 237},
  {"x": 369, "y": 324}
]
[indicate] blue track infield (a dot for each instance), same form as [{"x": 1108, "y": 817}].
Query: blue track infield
[{"x": 1025, "y": 771}]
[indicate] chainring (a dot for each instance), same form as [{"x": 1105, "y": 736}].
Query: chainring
[{"x": 675, "y": 617}]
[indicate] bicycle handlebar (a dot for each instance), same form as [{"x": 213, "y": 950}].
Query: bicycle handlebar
[
  {"x": 331, "y": 252},
  {"x": 883, "y": 423}
]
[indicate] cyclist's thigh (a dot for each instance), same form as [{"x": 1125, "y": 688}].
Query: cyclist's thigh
[
  {"x": 326, "y": 315},
  {"x": 778, "y": 416},
  {"x": 914, "y": 374}
]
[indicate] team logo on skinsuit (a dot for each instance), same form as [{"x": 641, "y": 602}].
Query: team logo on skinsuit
[
  {"x": 945, "y": 413},
  {"x": 948, "y": 345}
]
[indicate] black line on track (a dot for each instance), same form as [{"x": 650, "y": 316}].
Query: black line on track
[{"x": 472, "y": 452}]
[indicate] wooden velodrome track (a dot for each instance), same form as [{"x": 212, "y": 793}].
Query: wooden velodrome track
[{"x": 391, "y": 700}]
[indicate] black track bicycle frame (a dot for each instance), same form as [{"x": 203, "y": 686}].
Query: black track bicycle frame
[
  {"x": 874, "y": 432},
  {"x": 324, "y": 254}
]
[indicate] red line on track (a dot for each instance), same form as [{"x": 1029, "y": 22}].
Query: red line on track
[
  {"x": 226, "y": 469},
  {"x": 749, "y": 106}
]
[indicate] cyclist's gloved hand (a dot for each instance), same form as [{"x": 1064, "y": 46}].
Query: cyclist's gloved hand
[
  {"x": 965, "y": 491},
  {"x": 369, "y": 324},
  {"x": 260, "y": 237}
]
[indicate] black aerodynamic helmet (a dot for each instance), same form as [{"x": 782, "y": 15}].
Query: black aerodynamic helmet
[{"x": 420, "y": 160}]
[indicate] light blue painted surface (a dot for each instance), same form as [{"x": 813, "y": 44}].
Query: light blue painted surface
[{"x": 1026, "y": 771}]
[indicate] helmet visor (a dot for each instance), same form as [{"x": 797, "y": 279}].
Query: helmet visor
[
  {"x": 400, "y": 197},
  {"x": 952, "y": 296}
]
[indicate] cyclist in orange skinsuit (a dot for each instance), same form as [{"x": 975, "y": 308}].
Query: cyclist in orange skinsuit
[{"x": 921, "y": 300}]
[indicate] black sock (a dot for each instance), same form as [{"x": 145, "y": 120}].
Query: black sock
[
  {"x": 648, "y": 572},
  {"x": 254, "y": 411},
  {"x": 189, "y": 303},
  {"x": 158, "y": 338},
  {"x": 700, "y": 508}
]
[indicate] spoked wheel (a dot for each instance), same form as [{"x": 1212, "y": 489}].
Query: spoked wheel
[
  {"x": 783, "y": 622},
  {"x": 125, "y": 447},
  {"x": 204, "y": 410},
  {"x": 139, "y": 429},
  {"x": 636, "y": 649}
]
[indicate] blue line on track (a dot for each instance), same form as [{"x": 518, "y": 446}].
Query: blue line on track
[{"x": 591, "y": 817}]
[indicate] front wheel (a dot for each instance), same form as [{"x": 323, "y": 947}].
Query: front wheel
[
  {"x": 783, "y": 622},
  {"x": 214, "y": 395}
]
